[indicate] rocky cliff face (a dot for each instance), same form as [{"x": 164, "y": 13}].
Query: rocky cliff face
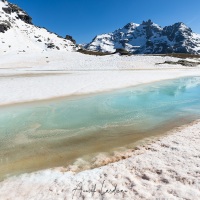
[
  {"x": 148, "y": 38},
  {"x": 17, "y": 33},
  {"x": 10, "y": 8}
]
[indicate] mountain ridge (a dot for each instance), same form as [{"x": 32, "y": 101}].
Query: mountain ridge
[{"x": 148, "y": 38}]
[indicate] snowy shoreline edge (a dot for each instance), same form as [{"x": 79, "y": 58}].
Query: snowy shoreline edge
[{"x": 166, "y": 168}]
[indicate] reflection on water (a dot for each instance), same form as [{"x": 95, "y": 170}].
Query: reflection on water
[{"x": 41, "y": 135}]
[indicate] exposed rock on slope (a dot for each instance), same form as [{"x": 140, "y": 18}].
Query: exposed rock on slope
[
  {"x": 148, "y": 38},
  {"x": 69, "y": 37}
]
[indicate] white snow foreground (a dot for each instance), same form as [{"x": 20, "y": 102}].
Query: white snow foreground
[
  {"x": 167, "y": 168},
  {"x": 19, "y": 35}
]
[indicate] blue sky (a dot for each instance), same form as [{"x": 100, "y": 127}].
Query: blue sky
[{"x": 84, "y": 19}]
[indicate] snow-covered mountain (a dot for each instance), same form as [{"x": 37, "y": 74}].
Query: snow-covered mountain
[
  {"x": 148, "y": 38},
  {"x": 17, "y": 33}
]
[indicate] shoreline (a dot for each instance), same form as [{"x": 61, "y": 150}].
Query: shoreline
[
  {"x": 93, "y": 159},
  {"x": 138, "y": 170},
  {"x": 95, "y": 92},
  {"x": 124, "y": 152}
]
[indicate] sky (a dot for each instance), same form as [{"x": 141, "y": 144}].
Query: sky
[{"x": 84, "y": 19}]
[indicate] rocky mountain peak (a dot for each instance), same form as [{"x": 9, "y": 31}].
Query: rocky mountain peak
[
  {"x": 10, "y": 8},
  {"x": 148, "y": 38},
  {"x": 181, "y": 27},
  {"x": 147, "y": 23},
  {"x": 130, "y": 25},
  {"x": 177, "y": 32}
]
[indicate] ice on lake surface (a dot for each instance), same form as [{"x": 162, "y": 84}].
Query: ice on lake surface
[{"x": 40, "y": 135}]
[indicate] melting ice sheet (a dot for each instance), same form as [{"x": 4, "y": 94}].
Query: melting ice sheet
[{"x": 54, "y": 133}]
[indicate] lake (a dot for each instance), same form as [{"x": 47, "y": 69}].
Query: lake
[{"x": 40, "y": 135}]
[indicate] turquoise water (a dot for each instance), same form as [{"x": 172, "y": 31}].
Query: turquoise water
[{"x": 47, "y": 134}]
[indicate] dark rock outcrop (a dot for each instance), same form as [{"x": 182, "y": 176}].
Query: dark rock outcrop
[
  {"x": 69, "y": 37},
  {"x": 122, "y": 52},
  {"x": 21, "y": 13},
  {"x": 50, "y": 46},
  {"x": 4, "y": 26},
  {"x": 7, "y": 10},
  {"x": 181, "y": 62}
]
